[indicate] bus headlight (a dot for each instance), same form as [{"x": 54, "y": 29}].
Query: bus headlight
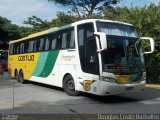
[{"x": 109, "y": 79}]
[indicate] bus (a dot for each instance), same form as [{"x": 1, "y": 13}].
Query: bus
[{"x": 100, "y": 57}]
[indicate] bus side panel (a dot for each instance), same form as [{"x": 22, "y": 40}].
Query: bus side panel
[
  {"x": 87, "y": 82},
  {"x": 11, "y": 65},
  {"x": 67, "y": 65},
  {"x": 46, "y": 70},
  {"x": 50, "y": 80},
  {"x": 24, "y": 62}
]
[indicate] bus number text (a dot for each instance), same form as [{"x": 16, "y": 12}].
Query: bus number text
[{"x": 26, "y": 58}]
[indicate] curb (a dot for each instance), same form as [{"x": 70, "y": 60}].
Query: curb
[{"x": 157, "y": 86}]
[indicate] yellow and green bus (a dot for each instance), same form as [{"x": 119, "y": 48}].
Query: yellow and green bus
[{"x": 100, "y": 57}]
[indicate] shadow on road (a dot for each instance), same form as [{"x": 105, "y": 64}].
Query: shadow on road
[
  {"x": 45, "y": 85},
  {"x": 111, "y": 99},
  {"x": 148, "y": 94}
]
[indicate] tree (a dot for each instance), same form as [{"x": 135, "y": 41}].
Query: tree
[
  {"x": 62, "y": 19},
  {"x": 3, "y": 29},
  {"x": 8, "y": 32},
  {"x": 86, "y": 8},
  {"x": 37, "y": 23},
  {"x": 25, "y": 31}
]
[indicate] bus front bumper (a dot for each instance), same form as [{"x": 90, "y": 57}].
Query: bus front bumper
[{"x": 115, "y": 89}]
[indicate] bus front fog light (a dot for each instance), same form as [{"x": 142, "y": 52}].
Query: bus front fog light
[
  {"x": 144, "y": 77},
  {"x": 108, "y": 79}
]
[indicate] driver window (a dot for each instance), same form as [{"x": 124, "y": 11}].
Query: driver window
[
  {"x": 87, "y": 48},
  {"x": 91, "y": 61}
]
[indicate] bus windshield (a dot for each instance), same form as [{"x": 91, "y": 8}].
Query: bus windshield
[
  {"x": 117, "y": 29},
  {"x": 124, "y": 54}
]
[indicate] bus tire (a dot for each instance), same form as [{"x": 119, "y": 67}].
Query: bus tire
[
  {"x": 16, "y": 75},
  {"x": 21, "y": 77},
  {"x": 69, "y": 86}
]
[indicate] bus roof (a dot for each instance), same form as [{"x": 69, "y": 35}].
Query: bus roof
[
  {"x": 66, "y": 26},
  {"x": 100, "y": 20}
]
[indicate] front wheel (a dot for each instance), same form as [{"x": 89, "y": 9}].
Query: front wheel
[{"x": 69, "y": 86}]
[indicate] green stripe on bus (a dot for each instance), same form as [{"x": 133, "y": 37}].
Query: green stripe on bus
[
  {"x": 49, "y": 64},
  {"x": 52, "y": 29},
  {"x": 59, "y": 28},
  {"x": 40, "y": 64}
]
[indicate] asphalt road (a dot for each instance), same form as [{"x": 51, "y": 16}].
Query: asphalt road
[{"x": 34, "y": 98}]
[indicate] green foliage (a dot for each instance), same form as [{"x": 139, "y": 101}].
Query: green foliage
[
  {"x": 25, "y": 31},
  {"x": 8, "y": 31},
  {"x": 147, "y": 22},
  {"x": 86, "y": 8},
  {"x": 62, "y": 19},
  {"x": 37, "y": 23}
]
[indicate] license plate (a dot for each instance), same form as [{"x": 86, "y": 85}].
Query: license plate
[{"x": 129, "y": 88}]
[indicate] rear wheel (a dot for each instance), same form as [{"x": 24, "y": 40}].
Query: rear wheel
[
  {"x": 69, "y": 86},
  {"x": 16, "y": 75},
  {"x": 21, "y": 78}
]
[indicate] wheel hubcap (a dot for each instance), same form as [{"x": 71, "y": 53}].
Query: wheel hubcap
[{"x": 70, "y": 85}]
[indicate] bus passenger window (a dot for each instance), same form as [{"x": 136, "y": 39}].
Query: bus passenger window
[
  {"x": 26, "y": 45},
  {"x": 59, "y": 41},
  {"x": 14, "y": 49},
  {"x": 35, "y": 46},
  {"x": 37, "y": 43},
  {"x": 72, "y": 44},
  {"x": 30, "y": 48},
  {"x": 53, "y": 44},
  {"x": 11, "y": 49},
  {"x": 41, "y": 46},
  {"x": 68, "y": 39},
  {"x": 64, "y": 40},
  {"x": 17, "y": 52},
  {"x": 47, "y": 44},
  {"x": 22, "y": 48}
]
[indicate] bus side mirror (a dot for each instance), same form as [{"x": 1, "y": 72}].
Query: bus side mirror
[
  {"x": 103, "y": 40},
  {"x": 152, "y": 44}
]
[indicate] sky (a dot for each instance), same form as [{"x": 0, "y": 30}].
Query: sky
[
  {"x": 19, "y": 10},
  {"x": 138, "y": 3}
]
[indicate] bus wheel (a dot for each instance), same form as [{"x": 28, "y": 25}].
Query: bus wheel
[
  {"x": 21, "y": 78},
  {"x": 16, "y": 75},
  {"x": 69, "y": 86}
]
